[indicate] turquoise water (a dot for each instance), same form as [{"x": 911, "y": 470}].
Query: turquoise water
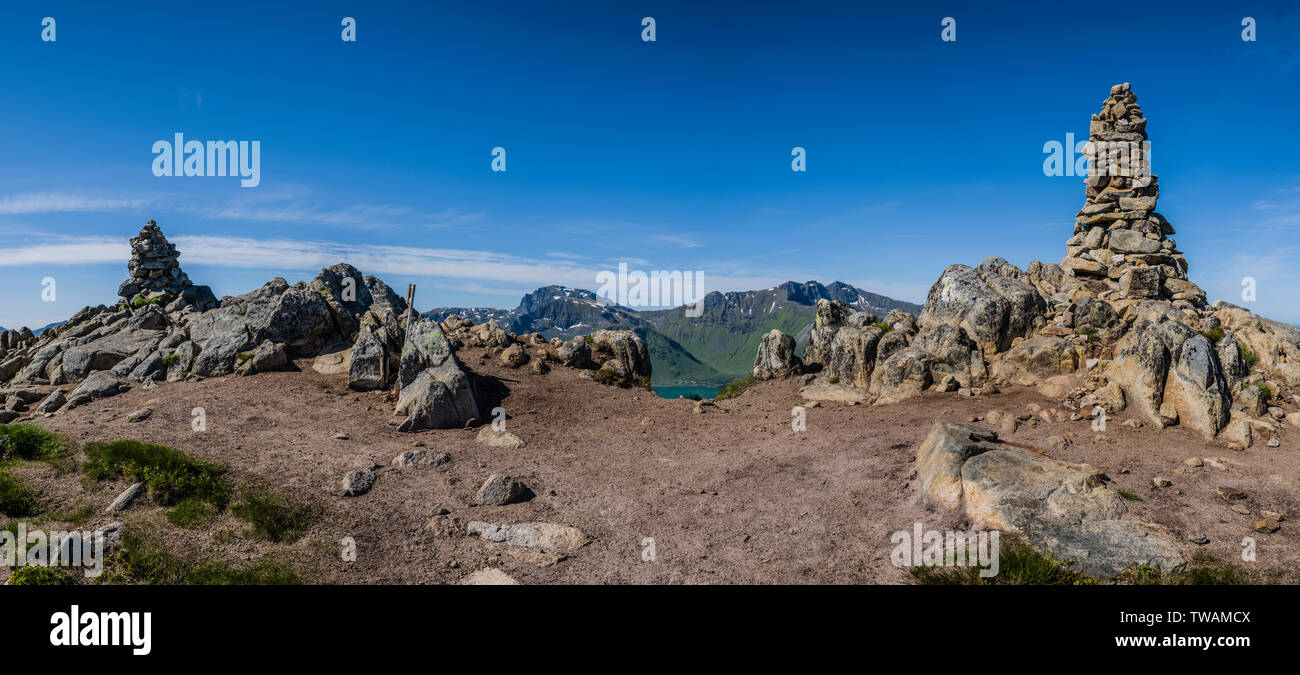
[{"x": 678, "y": 390}]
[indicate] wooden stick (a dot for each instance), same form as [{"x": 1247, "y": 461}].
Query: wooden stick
[{"x": 410, "y": 313}]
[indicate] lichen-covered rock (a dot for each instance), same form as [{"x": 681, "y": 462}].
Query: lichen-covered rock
[
  {"x": 436, "y": 393},
  {"x": 1162, "y": 360},
  {"x": 574, "y": 353},
  {"x": 906, "y": 373},
  {"x": 623, "y": 357},
  {"x": 1062, "y": 509},
  {"x": 831, "y": 316},
  {"x": 776, "y": 357},
  {"x": 1036, "y": 359},
  {"x": 990, "y": 307}
]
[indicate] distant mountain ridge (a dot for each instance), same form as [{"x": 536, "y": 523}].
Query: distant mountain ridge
[{"x": 715, "y": 347}]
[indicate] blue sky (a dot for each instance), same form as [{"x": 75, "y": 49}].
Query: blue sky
[{"x": 670, "y": 155}]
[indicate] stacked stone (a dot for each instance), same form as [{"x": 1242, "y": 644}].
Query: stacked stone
[
  {"x": 153, "y": 265},
  {"x": 1118, "y": 235}
]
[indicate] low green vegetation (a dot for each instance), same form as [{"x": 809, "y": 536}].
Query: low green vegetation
[
  {"x": 1265, "y": 393},
  {"x": 1018, "y": 565},
  {"x": 170, "y": 359},
  {"x": 1129, "y": 496},
  {"x": 1202, "y": 570},
  {"x": 273, "y": 516},
  {"x": 884, "y": 326},
  {"x": 145, "y": 560},
  {"x": 170, "y": 476},
  {"x": 76, "y": 516},
  {"x": 244, "y": 356},
  {"x": 41, "y": 576},
  {"x": 192, "y": 513},
  {"x": 1214, "y": 334},
  {"x": 28, "y": 441},
  {"x": 16, "y": 498},
  {"x": 1247, "y": 354},
  {"x": 140, "y": 301},
  {"x": 732, "y": 389}
]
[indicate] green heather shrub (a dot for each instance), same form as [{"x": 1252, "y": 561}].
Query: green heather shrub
[
  {"x": 41, "y": 576},
  {"x": 1214, "y": 334},
  {"x": 28, "y": 441},
  {"x": 170, "y": 359},
  {"x": 169, "y": 475},
  {"x": 732, "y": 389}
]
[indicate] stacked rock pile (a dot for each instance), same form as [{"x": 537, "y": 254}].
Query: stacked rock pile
[
  {"x": 153, "y": 265},
  {"x": 1118, "y": 235}
]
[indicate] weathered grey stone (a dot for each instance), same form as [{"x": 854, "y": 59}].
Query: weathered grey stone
[
  {"x": 435, "y": 391},
  {"x": 124, "y": 499},
  {"x": 500, "y": 490},
  {"x": 358, "y": 482},
  {"x": 419, "y": 459},
  {"x": 51, "y": 403},
  {"x": 99, "y": 384}
]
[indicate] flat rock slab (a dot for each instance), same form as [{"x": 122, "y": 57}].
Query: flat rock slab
[
  {"x": 498, "y": 439},
  {"x": 489, "y": 576},
  {"x": 546, "y": 536},
  {"x": 1059, "y": 508},
  {"x": 836, "y": 393}
]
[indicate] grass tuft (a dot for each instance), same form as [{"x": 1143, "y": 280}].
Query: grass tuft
[
  {"x": 1247, "y": 354},
  {"x": 273, "y": 516},
  {"x": 143, "y": 560},
  {"x": 170, "y": 476},
  {"x": 28, "y": 441},
  {"x": 192, "y": 513},
  {"x": 16, "y": 498},
  {"x": 1214, "y": 334},
  {"x": 1018, "y": 565}
]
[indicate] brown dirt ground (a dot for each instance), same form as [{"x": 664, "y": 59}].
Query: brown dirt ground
[{"x": 729, "y": 496}]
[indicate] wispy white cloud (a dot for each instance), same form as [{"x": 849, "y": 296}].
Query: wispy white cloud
[
  {"x": 54, "y": 202},
  {"x": 473, "y": 271},
  {"x": 678, "y": 239},
  {"x": 294, "y": 206}
]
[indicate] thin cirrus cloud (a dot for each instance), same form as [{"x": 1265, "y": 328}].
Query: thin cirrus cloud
[
  {"x": 53, "y": 202},
  {"x": 483, "y": 271},
  {"x": 288, "y": 208}
]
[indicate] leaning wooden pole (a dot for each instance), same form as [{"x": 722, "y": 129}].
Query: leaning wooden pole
[{"x": 410, "y": 314}]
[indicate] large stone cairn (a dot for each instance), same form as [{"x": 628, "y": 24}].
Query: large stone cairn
[
  {"x": 153, "y": 265},
  {"x": 1118, "y": 235}
]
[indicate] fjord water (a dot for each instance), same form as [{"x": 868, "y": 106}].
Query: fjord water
[{"x": 679, "y": 390}]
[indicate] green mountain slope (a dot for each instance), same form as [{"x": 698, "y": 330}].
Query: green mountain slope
[{"x": 728, "y": 341}]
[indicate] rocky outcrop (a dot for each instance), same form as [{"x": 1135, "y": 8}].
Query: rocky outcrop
[
  {"x": 776, "y": 357},
  {"x": 1062, "y": 509},
  {"x": 1116, "y": 324}
]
